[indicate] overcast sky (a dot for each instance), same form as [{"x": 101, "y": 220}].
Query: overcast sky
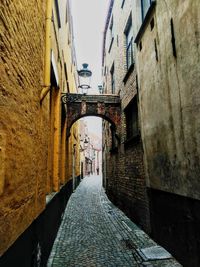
[{"x": 88, "y": 23}]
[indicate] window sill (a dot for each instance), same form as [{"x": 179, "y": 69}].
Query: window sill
[
  {"x": 130, "y": 70},
  {"x": 145, "y": 22},
  {"x": 110, "y": 44}
]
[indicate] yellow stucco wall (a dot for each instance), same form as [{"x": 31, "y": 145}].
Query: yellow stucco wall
[
  {"x": 60, "y": 166},
  {"x": 33, "y": 158},
  {"x": 23, "y": 121}
]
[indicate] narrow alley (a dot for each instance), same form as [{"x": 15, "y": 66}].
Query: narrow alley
[
  {"x": 99, "y": 133},
  {"x": 94, "y": 233}
]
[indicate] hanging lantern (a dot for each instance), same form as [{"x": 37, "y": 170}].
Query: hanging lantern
[{"x": 84, "y": 78}]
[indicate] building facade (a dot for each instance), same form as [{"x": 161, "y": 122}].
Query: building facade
[
  {"x": 160, "y": 103},
  {"x": 168, "y": 75},
  {"x": 38, "y": 64},
  {"x": 91, "y": 151},
  {"x": 124, "y": 175}
]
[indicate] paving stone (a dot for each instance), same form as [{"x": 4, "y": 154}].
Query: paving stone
[{"x": 95, "y": 233}]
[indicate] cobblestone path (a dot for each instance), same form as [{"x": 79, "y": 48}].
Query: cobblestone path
[{"x": 94, "y": 233}]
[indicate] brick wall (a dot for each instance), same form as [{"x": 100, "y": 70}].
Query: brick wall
[
  {"x": 124, "y": 176},
  {"x": 125, "y": 182},
  {"x": 23, "y": 122}
]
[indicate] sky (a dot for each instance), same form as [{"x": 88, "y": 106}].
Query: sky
[{"x": 88, "y": 23}]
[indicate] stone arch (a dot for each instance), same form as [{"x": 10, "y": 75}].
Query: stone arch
[
  {"x": 69, "y": 125},
  {"x": 107, "y": 107}
]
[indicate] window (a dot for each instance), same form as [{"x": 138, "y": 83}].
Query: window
[
  {"x": 111, "y": 29},
  {"x": 66, "y": 76},
  {"x": 104, "y": 88},
  {"x": 105, "y": 71},
  {"x": 112, "y": 73},
  {"x": 66, "y": 14},
  {"x": 129, "y": 43},
  {"x": 173, "y": 40},
  {"x": 145, "y": 4},
  {"x": 57, "y": 13},
  {"x": 131, "y": 113},
  {"x": 111, "y": 34},
  {"x": 122, "y": 3}
]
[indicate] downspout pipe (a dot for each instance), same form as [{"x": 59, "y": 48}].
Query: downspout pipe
[
  {"x": 47, "y": 59},
  {"x": 73, "y": 167}
]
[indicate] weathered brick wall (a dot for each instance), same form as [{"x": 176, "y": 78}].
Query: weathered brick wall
[
  {"x": 133, "y": 194},
  {"x": 126, "y": 184},
  {"x": 23, "y": 122},
  {"x": 125, "y": 174}
]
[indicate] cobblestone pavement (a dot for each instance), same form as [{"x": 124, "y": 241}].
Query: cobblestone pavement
[{"x": 94, "y": 233}]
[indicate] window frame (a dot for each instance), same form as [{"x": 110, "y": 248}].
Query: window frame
[{"x": 129, "y": 43}]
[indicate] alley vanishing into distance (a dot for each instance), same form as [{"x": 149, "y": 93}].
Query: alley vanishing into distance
[
  {"x": 99, "y": 133},
  {"x": 95, "y": 233}
]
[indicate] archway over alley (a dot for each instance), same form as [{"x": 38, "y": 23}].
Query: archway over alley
[{"x": 107, "y": 107}]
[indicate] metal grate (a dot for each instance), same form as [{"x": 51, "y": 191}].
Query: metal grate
[{"x": 154, "y": 253}]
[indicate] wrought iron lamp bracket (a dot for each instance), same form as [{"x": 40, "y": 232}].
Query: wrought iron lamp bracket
[{"x": 69, "y": 98}]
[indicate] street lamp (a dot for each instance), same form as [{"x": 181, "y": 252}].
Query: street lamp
[
  {"x": 85, "y": 78},
  {"x": 100, "y": 87},
  {"x": 86, "y": 142}
]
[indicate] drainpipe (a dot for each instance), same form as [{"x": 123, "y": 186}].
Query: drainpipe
[
  {"x": 47, "y": 59},
  {"x": 73, "y": 167}
]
